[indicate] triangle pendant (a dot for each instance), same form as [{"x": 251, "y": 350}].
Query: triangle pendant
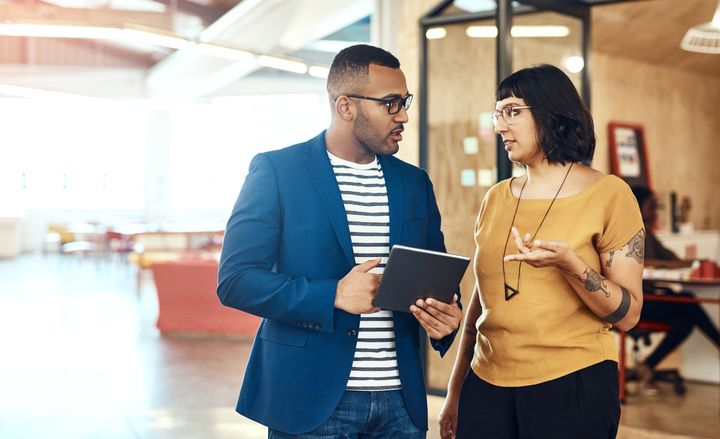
[{"x": 510, "y": 292}]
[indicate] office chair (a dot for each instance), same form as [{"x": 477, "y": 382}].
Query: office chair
[{"x": 641, "y": 332}]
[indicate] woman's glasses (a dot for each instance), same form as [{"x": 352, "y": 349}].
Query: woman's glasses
[{"x": 508, "y": 113}]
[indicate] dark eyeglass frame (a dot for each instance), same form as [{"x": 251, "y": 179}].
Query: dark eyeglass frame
[{"x": 390, "y": 102}]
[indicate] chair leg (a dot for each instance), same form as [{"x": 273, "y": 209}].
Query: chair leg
[{"x": 622, "y": 369}]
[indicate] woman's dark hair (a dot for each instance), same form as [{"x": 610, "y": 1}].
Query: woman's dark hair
[
  {"x": 642, "y": 194},
  {"x": 565, "y": 127}
]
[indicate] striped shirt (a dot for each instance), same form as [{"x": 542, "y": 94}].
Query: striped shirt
[{"x": 363, "y": 191}]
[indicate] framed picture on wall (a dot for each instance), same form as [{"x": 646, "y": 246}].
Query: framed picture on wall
[{"x": 628, "y": 156}]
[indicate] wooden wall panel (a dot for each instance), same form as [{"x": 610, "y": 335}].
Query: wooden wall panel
[{"x": 679, "y": 112}]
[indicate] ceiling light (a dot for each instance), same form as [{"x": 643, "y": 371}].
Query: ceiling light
[
  {"x": 36, "y": 93},
  {"x": 282, "y": 64},
  {"x": 156, "y": 37},
  {"x": 574, "y": 64},
  {"x": 704, "y": 38},
  {"x": 519, "y": 31},
  {"x": 540, "y": 31},
  {"x": 226, "y": 52},
  {"x": 435, "y": 33},
  {"x": 42, "y": 30},
  {"x": 481, "y": 31},
  {"x": 319, "y": 72}
]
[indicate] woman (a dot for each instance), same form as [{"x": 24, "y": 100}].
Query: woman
[{"x": 558, "y": 261}]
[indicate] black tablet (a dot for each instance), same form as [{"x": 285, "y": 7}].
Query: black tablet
[{"x": 414, "y": 273}]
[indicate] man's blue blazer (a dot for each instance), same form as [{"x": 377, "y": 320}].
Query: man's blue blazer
[{"x": 286, "y": 246}]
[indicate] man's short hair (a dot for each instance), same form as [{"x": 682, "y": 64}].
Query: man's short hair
[
  {"x": 350, "y": 68},
  {"x": 642, "y": 194}
]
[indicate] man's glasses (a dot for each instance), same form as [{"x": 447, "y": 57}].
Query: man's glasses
[
  {"x": 508, "y": 113},
  {"x": 394, "y": 104}
]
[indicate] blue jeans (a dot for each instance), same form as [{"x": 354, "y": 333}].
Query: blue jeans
[{"x": 364, "y": 415}]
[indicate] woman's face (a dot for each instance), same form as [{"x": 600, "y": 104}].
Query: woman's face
[{"x": 518, "y": 132}]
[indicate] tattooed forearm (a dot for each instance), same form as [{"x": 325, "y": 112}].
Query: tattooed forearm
[
  {"x": 608, "y": 263},
  {"x": 636, "y": 247},
  {"x": 593, "y": 281},
  {"x": 622, "y": 309}
]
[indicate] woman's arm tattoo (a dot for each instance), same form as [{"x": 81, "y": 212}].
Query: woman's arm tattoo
[
  {"x": 608, "y": 263},
  {"x": 636, "y": 247},
  {"x": 593, "y": 281},
  {"x": 622, "y": 309}
]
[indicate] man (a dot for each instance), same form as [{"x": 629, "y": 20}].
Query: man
[
  {"x": 304, "y": 248},
  {"x": 682, "y": 317}
]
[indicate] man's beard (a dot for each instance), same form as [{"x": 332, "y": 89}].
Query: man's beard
[{"x": 369, "y": 138}]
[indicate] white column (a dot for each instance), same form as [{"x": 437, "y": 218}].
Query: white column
[{"x": 384, "y": 25}]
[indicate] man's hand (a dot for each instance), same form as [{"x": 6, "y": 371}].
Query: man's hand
[
  {"x": 356, "y": 291},
  {"x": 438, "y": 318}
]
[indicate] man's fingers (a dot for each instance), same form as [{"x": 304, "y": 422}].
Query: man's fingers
[{"x": 367, "y": 265}]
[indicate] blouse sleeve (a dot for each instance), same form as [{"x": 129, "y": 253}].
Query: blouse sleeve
[{"x": 621, "y": 217}]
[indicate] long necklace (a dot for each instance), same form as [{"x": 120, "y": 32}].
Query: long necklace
[{"x": 511, "y": 292}]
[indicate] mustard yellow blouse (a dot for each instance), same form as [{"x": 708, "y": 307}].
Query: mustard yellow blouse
[{"x": 546, "y": 331}]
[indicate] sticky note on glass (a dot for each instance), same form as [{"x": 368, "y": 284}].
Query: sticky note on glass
[
  {"x": 467, "y": 177},
  {"x": 486, "y": 177},
  {"x": 471, "y": 145}
]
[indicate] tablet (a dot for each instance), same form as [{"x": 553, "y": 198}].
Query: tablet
[{"x": 414, "y": 273}]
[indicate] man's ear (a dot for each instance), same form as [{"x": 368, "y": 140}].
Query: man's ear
[{"x": 345, "y": 108}]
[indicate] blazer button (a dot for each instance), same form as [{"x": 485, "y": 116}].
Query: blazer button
[{"x": 352, "y": 333}]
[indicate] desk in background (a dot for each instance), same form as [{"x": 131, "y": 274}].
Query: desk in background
[{"x": 700, "y": 359}]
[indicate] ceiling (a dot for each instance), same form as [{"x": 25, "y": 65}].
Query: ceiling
[
  {"x": 308, "y": 30},
  {"x": 286, "y": 28},
  {"x": 651, "y": 31}
]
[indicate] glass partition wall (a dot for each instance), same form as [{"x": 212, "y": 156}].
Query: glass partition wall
[{"x": 459, "y": 148}]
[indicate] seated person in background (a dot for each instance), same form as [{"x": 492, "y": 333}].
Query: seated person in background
[{"x": 681, "y": 317}]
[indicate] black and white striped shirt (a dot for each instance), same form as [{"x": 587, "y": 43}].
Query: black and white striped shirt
[{"x": 363, "y": 191}]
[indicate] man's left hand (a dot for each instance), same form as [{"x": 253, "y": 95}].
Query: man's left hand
[{"x": 439, "y": 319}]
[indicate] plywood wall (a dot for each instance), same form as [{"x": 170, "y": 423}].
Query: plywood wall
[{"x": 680, "y": 114}]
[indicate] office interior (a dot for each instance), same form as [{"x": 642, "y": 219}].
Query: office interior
[{"x": 129, "y": 126}]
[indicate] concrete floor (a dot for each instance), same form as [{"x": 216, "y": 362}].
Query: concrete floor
[{"x": 81, "y": 358}]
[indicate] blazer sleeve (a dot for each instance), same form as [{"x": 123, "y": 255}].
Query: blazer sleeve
[
  {"x": 247, "y": 278},
  {"x": 436, "y": 241}
]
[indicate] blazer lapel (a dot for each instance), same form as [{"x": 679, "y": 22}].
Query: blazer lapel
[
  {"x": 396, "y": 197},
  {"x": 323, "y": 176}
]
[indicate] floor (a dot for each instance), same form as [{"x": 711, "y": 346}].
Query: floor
[{"x": 82, "y": 359}]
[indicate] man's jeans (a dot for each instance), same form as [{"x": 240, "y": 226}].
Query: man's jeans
[{"x": 364, "y": 415}]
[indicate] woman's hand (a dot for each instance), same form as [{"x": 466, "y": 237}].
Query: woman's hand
[
  {"x": 540, "y": 253},
  {"x": 448, "y": 418}
]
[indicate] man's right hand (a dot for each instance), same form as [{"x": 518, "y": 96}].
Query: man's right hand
[{"x": 356, "y": 291}]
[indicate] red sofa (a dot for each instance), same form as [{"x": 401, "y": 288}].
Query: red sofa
[{"x": 188, "y": 302}]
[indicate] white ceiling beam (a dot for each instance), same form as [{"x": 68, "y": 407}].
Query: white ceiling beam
[{"x": 275, "y": 27}]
